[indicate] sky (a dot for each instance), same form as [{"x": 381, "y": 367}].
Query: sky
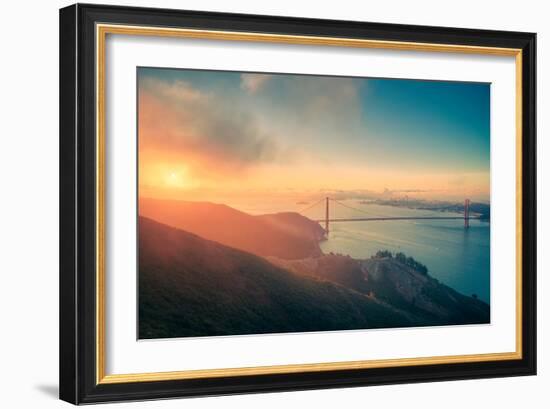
[{"x": 206, "y": 133}]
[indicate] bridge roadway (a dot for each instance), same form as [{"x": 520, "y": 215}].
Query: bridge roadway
[{"x": 374, "y": 219}]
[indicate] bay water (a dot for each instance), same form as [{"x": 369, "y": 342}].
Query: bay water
[{"x": 454, "y": 255}]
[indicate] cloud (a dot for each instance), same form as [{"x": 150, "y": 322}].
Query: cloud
[
  {"x": 209, "y": 135},
  {"x": 252, "y": 83},
  {"x": 321, "y": 107},
  {"x": 217, "y": 137}
]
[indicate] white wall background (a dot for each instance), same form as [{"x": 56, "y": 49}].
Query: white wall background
[{"x": 29, "y": 203}]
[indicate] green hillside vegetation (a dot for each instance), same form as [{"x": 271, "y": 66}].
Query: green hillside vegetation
[
  {"x": 403, "y": 259},
  {"x": 399, "y": 281},
  {"x": 189, "y": 286}
]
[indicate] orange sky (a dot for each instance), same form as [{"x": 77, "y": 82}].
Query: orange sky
[{"x": 195, "y": 143}]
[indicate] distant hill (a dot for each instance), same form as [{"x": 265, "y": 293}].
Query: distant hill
[
  {"x": 284, "y": 235},
  {"x": 396, "y": 283},
  {"x": 189, "y": 286},
  {"x": 483, "y": 210}
]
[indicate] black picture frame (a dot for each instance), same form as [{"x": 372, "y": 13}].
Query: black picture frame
[{"x": 78, "y": 360}]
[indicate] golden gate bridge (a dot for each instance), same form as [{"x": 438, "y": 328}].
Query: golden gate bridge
[{"x": 327, "y": 220}]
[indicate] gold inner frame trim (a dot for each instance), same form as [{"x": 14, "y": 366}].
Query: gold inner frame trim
[{"x": 101, "y": 33}]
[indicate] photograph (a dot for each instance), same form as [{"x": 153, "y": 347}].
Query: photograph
[{"x": 287, "y": 203}]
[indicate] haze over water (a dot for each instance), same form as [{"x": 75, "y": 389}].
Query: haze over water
[{"x": 457, "y": 257}]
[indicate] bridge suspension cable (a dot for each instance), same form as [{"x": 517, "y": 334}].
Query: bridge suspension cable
[
  {"x": 358, "y": 210},
  {"x": 311, "y": 205},
  {"x": 378, "y": 217},
  {"x": 368, "y": 213}
]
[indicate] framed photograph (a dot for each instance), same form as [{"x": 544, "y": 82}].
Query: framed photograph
[{"x": 258, "y": 203}]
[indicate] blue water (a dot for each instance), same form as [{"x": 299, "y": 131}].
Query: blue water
[{"x": 457, "y": 257}]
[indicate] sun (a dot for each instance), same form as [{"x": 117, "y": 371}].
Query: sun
[
  {"x": 179, "y": 179},
  {"x": 174, "y": 179}
]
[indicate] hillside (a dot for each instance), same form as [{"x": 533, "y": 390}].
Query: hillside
[
  {"x": 189, "y": 286},
  {"x": 284, "y": 235},
  {"x": 394, "y": 282}
]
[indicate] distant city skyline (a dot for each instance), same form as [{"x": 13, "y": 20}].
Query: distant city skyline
[{"x": 231, "y": 133}]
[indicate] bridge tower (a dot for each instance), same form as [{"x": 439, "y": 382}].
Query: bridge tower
[
  {"x": 326, "y": 215},
  {"x": 466, "y": 213}
]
